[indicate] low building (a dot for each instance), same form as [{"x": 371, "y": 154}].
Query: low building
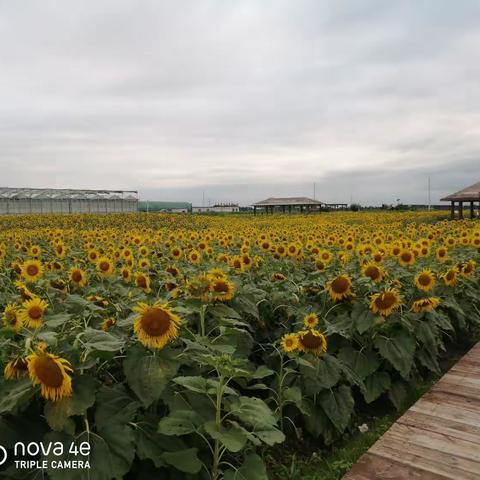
[
  {"x": 218, "y": 208},
  {"x": 469, "y": 195},
  {"x": 301, "y": 204},
  {"x": 166, "y": 207}
]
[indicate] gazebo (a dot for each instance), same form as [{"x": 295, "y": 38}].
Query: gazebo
[
  {"x": 301, "y": 203},
  {"x": 470, "y": 194}
]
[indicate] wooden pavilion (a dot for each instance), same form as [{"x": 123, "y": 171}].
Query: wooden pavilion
[
  {"x": 296, "y": 203},
  {"x": 470, "y": 195}
]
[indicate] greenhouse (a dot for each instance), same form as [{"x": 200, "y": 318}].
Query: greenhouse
[{"x": 40, "y": 200}]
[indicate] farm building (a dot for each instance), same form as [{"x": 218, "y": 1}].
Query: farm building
[
  {"x": 51, "y": 200},
  {"x": 289, "y": 203},
  {"x": 167, "y": 207},
  {"x": 218, "y": 208},
  {"x": 469, "y": 195}
]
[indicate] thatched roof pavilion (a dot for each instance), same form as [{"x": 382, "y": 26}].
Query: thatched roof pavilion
[{"x": 470, "y": 194}]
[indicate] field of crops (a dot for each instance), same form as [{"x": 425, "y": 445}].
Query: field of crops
[{"x": 183, "y": 347}]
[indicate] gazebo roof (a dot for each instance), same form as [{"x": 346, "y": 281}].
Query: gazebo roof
[
  {"x": 285, "y": 201},
  {"x": 471, "y": 193}
]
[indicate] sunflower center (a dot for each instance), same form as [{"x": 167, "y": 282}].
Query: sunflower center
[
  {"x": 372, "y": 272},
  {"x": 104, "y": 266},
  {"x": 11, "y": 317},
  {"x": 76, "y": 276},
  {"x": 32, "y": 270},
  {"x": 289, "y": 342},
  {"x": 220, "y": 287},
  {"x": 309, "y": 340},
  {"x": 424, "y": 279},
  {"x": 156, "y": 322},
  {"x": 340, "y": 285},
  {"x": 48, "y": 372},
  {"x": 142, "y": 282},
  {"x": 385, "y": 301},
  {"x": 35, "y": 312},
  {"x": 406, "y": 257},
  {"x": 450, "y": 275}
]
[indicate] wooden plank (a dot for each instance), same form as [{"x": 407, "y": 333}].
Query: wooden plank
[
  {"x": 438, "y": 438},
  {"x": 377, "y": 467}
]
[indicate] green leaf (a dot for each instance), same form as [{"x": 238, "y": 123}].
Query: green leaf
[
  {"x": 428, "y": 358},
  {"x": 234, "y": 439},
  {"x": 184, "y": 460},
  {"x": 179, "y": 422},
  {"x": 252, "y": 410},
  {"x": 426, "y": 332},
  {"x": 363, "y": 363},
  {"x": 13, "y": 394},
  {"x": 114, "y": 406},
  {"x": 365, "y": 321},
  {"x": 83, "y": 397},
  {"x": 98, "y": 340},
  {"x": 148, "y": 375},
  {"x": 398, "y": 349},
  {"x": 375, "y": 385},
  {"x": 398, "y": 394},
  {"x": 338, "y": 406},
  {"x": 262, "y": 371},
  {"x": 55, "y": 321},
  {"x": 325, "y": 374},
  {"x": 253, "y": 468},
  {"x": 194, "y": 384}
]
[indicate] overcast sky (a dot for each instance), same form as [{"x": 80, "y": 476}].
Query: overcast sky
[{"x": 242, "y": 99}]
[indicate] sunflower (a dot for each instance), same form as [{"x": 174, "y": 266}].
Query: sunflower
[
  {"x": 425, "y": 280},
  {"x": 143, "y": 281},
  {"x": 222, "y": 290},
  {"x": 289, "y": 342},
  {"x": 467, "y": 268},
  {"x": 339, "y": 288},
  {"x": 108, "y": 323},
  {"x": 25, "y": 293},
  {"x": 34, "y": 251},
  {"x": 442, "y": 254},
  {"x": 425, "y": 304},
  {"x": 277, "y": 276},
  {"x": 31, "y": 313},
  {"x": 32, "y": 270},
  {"x": 450, "y": 277},
  {"x": 77, "y": 276},
  {"x": 155, "y": 325},
  {"x": 11, "y": 318},
  {"x": 194, "y": 257},
  {"x": 310, "y": 320},
  {"x": 51, "y": 373},
  {"x": 374, "y": 271},
  {"x": 384, "y": 303},
  {"x": 312, "y": 341},
  {"x": 320, "y": 265},
  {"x": 216, "y": 273},
  {"x": 406, "y": 257},
  {"x": 173, "y": 270},
  {"x": 105, "y": 267},
  {"x": 126, "y": 274},
  {"x": 16, "y": 369}
]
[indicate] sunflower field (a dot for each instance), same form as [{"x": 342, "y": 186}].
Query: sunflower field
[{"x": 185, "y": 347}]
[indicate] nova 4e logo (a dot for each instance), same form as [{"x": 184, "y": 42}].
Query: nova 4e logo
[{"x": 3, "y": 455}]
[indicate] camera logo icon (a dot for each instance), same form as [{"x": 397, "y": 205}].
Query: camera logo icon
[{"x": 3, "y": 455}]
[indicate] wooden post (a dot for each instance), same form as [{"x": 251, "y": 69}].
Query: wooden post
[
  {"x": 452, "y": 210},
  {"x": 283, "y": 208},
  {"x": 289, "y": 209},
  {"x": 301, "y": 208},
  {"x": 471, "y": 209},
  {"x": 460, "y": 210},
  {"x": 254, "y": 210}
]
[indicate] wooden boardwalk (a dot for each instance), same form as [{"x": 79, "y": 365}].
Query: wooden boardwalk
[{"x": 438, "y": 438}]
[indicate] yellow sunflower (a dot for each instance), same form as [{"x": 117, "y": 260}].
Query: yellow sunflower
[
  {"x": 77, "y": 276},
  {"x": 32, "y": 270},
  {"x": 339, "y": 288},
  {"x": 31, "y": 313},
  {"x": 221, "y": 289},
  {"x": 51, "y": 373},
  {"x": 143, "y": 281},
  {"x": 16, "y": 369},
  {"x": 277, "y": 276},
  {"x": 406, "y": 257},
  {"x": 108, "y": 323},
  {"x": 194, "y": 257},
  {"x": 155, "y": 325},
  {"x": 25, "y": 293},
  {"x": 105, "y": 267},
  {"x": 126, "y": 274},
  {"x": 385, "y": 303},
  {"x": 425, "y": 304},
  {"x": 312, "y": 341},
  {"x": 310, "y": 320},
  {"x": 467, "y": 269},
  {"x": 12, "y": 318},
  {"x": 289, "y": 342},
  {"x": 374, "y": 271},
  {"x": 442, "y": 254},
  {"x": 450, "y": 277},
  {"x": 425, "y": 280}
]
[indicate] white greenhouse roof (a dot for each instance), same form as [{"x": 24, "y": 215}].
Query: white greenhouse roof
[{"x": 66, "y": 193}]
